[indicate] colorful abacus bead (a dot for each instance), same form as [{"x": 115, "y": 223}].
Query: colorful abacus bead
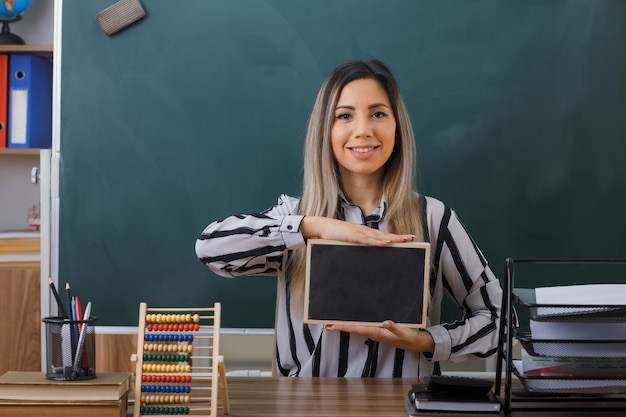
[
  {"x": 151, "y": 409},
  {"x": 167, "y": 399},
  {"x": 166, "y": 358},
  {"x": 185, "y": 389},
  {"x": 168, "y": 337}
]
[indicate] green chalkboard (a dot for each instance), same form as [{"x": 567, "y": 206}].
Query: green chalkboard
[{"x": 199, "y": 110}]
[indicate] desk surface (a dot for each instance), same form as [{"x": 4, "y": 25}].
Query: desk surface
[
  {"x": 334, "y": 397},
  {"x": 322, "y": 397}
]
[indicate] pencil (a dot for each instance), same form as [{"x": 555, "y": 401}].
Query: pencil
[
  {"x": 69, "y": 297},
  {"x": 56, "y": 296}
]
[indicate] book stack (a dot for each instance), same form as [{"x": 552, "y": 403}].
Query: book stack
[
  {"x": 576, "y": 340},
  {"x": 575, "y": 367},
  {"x": 31, "y": 394},
  {"x": 452, "y": 396}
]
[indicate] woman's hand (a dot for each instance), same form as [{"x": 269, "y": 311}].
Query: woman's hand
[
  {"x": 391, "y": 334},
  {"x": 326, "y": 228}
]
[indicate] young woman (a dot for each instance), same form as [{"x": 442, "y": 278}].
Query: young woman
[{"x": 359, "y": 187}]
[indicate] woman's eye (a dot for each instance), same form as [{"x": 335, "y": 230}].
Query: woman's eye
[
  {"x": 343, "y": 116},
  {"x": 379, "y": 114}
]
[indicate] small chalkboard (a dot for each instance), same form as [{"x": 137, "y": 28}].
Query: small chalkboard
[{"x": 366, "y": 285}]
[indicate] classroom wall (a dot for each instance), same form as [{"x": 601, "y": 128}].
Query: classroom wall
[
  {"x": 18, "y": 193},
  {"x": 37, "y": 24}
]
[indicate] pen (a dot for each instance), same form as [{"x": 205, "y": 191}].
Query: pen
[
  {"x": 73, "y": 332},
  {"x": 79, "y": 311},
  {"x": 81, "y": 342}
]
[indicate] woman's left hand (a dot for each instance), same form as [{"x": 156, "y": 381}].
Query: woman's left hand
[{"x": 391, "y": 334}]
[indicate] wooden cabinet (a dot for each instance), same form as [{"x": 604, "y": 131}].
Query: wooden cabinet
[{"x": 21, "y": 322}]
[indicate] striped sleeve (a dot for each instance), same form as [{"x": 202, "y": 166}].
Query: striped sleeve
[
  {"x": 469, "y": 282},
  {"x": 251, "y": 244}
]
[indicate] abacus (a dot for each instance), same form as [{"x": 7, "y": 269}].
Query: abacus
[{"x": 175, "y": 347}]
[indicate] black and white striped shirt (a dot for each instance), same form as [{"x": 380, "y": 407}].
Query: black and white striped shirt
[{"x": 259, "y": 244}]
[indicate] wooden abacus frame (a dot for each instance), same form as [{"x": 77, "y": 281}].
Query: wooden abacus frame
[{"x": 184, "y": 318}]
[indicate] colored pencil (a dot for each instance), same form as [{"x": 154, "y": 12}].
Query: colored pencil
[{"x": 56, "y": 297}]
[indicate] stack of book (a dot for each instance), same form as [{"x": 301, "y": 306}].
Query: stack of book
[
  {"x": 452, "y": 396},
  {"x": 576, "y": 339},
  {"x": 31, "y": 394},
  {"x": 576, "y": 367}
]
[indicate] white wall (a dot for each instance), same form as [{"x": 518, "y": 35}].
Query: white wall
[
  {"x": 37, "y": 24},
  {"x": 17, "y": 194}
]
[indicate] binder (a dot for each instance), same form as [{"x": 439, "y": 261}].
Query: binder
[
  {"x": 4, "y": 85},
  {"x": 30, "y": 102}
]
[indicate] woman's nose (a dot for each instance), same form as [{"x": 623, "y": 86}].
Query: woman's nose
[{"x": 363, "y": 127}]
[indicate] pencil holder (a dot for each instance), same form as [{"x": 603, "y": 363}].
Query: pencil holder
[{"x": 70, "y": 349}]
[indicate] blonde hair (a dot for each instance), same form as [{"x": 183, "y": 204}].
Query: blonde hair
[{"x": 321, "y": 186}]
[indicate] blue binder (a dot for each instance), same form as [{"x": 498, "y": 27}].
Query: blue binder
[{"x": 30, "y": 102}]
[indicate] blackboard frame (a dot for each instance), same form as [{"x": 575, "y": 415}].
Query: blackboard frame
[{"x": 325, "y": 295}]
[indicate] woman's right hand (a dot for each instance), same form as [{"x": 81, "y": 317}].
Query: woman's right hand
[{"x": 313, "y": 227}]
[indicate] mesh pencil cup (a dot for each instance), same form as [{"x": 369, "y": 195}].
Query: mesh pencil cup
[{"x": 70, "y": 348}]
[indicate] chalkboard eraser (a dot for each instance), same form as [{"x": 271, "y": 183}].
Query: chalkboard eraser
[{"x": 120, "y": 15}]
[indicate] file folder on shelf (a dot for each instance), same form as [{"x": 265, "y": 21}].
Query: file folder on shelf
[
  {"x": 4, "y": 85},
  {"x": 30, "y": 102}
]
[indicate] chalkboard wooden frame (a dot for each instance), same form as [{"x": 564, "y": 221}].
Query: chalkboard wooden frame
[{"x": 340, "y": 291}]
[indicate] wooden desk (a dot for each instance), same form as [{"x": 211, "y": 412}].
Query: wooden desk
[
  {"x": 335, "y": 397},
  {"x": 323, "y": 397}
]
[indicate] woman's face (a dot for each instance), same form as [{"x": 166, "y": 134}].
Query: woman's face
[{"x": 364, "y": 129}]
